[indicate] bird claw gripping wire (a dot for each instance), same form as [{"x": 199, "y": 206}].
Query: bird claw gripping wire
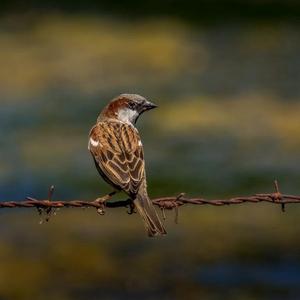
[
  {"x": 131, "y": 208},
  {"x": 101, "y": 205},
  {"x": 100, "y": 202}
]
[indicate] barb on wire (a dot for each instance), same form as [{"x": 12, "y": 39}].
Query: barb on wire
[{"x": 47, "y": 207}]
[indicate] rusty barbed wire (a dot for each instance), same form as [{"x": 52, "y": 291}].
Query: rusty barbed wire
[{"x": 47, "y": 207}]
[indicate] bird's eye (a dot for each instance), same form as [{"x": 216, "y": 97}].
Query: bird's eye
[{"x": 131, "y": 105}]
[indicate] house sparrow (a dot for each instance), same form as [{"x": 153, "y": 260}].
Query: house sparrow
[{"x": 117, "y": 150}]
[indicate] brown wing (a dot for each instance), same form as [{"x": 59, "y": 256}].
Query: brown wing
[{"x": 118, "y": 152}]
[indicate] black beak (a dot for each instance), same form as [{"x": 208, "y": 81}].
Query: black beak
[{"x": 149, "y": 105}]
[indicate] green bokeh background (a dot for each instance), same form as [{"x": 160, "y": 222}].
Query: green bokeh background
[{"x": 225, "y": 75}]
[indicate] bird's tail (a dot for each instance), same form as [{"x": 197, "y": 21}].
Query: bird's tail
[{"x": 147, "y": 211}]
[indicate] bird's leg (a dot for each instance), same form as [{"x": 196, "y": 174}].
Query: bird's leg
[
  {"x": 101, "y": 202},
  {"x": 105, "y": 198},
  {"x": 131, "y": 207}
]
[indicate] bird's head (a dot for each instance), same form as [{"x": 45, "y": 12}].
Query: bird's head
[{"x": 126, "y": 108}]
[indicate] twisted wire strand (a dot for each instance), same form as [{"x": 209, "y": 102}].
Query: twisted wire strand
[{"x": 172, "y": 202}]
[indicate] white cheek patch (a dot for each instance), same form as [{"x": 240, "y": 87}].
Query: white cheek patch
[
  {"x": 93, "y": 142},
  {"x": 127, "y": 115}
]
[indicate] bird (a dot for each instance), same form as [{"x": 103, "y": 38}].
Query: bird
[{"x": 117, "y": 151}]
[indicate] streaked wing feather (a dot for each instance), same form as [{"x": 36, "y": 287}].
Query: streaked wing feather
[{"x": 119, "y": 154}]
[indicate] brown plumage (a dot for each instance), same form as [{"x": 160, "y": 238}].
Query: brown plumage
[{"x": 117, "y": 150}]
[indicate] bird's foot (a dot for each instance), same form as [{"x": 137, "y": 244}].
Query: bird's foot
[
  {"x": 131, "y": 208},
  {"x": 100, "y": 202}
]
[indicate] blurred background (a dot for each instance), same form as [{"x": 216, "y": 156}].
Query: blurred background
[{"x": 225, "y": 75}]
